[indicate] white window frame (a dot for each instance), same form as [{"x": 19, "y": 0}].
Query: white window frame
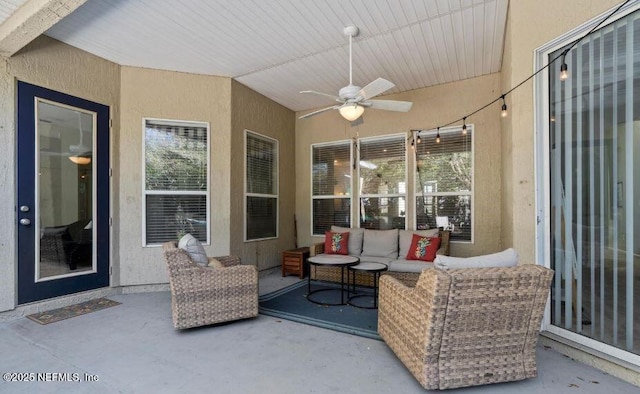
[
  {"x": 444, "y": 131},
  {"x": 358, "y": 194},
  {"x": 260, "y": 195},
  {"x": 145, "y": 192},
  {"x": 542, "y": 164}
]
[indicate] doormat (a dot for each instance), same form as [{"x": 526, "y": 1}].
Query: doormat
[
  {"x": 70, "y": 311},
  {"x": 291, "y": 303}
]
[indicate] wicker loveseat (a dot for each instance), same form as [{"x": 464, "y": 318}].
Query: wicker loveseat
[
  {"x": 465, "y": 327},
  {"x": 207, "y": 295}
]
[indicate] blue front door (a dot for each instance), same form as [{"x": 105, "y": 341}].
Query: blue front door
[{"x": 63, "y": 194}]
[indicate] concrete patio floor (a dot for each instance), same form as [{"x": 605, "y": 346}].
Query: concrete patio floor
[{"x": 133, "y": 348}]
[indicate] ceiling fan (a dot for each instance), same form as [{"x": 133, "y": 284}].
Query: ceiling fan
[{"x": 353, "y": 99}]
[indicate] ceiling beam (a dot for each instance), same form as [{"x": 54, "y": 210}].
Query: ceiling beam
[{"x": 32, "y": 19}]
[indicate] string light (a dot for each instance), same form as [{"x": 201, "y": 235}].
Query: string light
[
  {"x": 464, "y": 126},
  {"x": 418, "y": 140},
  {"x": 413, "y": 144},
  {"x": 504, "y": 112},
  {"x": 564, "y": 74}
]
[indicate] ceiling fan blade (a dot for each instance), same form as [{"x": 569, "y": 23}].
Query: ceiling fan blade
[
  {"x": 388, "y": 105},
  {"x": 375, "y": 88},
  {"x": 319, "y": 111},
  {"x": 336, "y": 98}
]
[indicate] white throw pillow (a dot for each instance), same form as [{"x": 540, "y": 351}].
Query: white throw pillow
[
  {"x": 380, "y": 243},
  {"x": 354, "y": 245},
  {"x": 506, "y": 258},
  {"x": 406, "y": 236},
  {"x": 195, "y": 249}
]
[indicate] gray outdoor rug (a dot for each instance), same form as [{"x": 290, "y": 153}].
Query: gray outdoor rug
[
  {"x": 70, "y": 311},
  {"x": 290, "y": 303}
]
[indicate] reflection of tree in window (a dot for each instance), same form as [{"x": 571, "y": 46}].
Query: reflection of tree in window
[
  {"x": 176, "y": 187},
  {"x": 444, "y": 181}
]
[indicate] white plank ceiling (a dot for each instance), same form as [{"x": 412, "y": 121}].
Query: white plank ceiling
[{"x": 280, "y": 47}]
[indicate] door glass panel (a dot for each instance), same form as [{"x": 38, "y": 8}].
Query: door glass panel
[
  {"x": 595, "y": 186},
  {"x": 64, "y": 190}
]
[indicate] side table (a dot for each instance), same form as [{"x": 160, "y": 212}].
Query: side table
[
  {"x": 372, "y": 268},
  {"x": 294, "y": 261}
]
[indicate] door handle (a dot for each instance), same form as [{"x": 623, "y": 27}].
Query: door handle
[{"x": 25, "y": 222}]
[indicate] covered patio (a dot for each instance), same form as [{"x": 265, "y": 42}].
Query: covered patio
[{"x": 134, "y": 348}]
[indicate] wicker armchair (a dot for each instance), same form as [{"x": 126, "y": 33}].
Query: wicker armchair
[
  {"x": 465, "y": 327},
  {"x": 207, "y": 295}
]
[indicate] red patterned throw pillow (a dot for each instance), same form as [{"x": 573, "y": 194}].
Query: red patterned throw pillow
[
  {"x": 336, "y": 243},
  {"x": 423, "y": 248}
]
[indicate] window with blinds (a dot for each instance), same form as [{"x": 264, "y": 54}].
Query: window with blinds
[
  {"x": 176, "y": 180},
  {"x": 382, "y": 169},
  {"x": 444, "y": 181},
  {"x": 331, "y": 177},
  {"x": 261, "y": 187}
]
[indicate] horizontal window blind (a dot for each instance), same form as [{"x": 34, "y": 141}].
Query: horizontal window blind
[
  {"x": 382, "y": 165},
  {"x": 382, "y": 168},
  {"x": 332, "y": 169},
  {"x": 170, "y": 216},
  {"x": 176, "y": 180},
  {"x": 175, "y": 157},
  {"x": 444, "y": 180},
  {"x": 331, "y": 178},
  {"x": 261, "y": 165},
  {"x": 261, "y": 180}
]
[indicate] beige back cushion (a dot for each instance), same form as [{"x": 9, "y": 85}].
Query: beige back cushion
[{"x": 380, "y": 243}]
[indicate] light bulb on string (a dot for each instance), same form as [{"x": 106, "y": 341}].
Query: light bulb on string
[
  {"x": 564, "y": 73},
  {"x": 413, "y": 144},
  {"x": 438, "y": 136},
  {"x": 419, "y": 140},
  {"x": 504, "y": 112},
  {"x": 464, "y": 126}
]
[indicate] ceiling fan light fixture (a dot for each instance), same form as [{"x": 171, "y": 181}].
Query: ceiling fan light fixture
[
  {"x": 80, "y": 160},
  {"x": 351, "y": 112}
]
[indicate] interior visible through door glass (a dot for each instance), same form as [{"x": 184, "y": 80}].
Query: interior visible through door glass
[{"x": 64, "y": 190}]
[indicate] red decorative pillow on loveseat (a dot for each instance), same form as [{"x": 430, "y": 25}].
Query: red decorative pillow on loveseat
[
  {"x": 336, "y": 243},
  {"x": 423, "y": 248}
]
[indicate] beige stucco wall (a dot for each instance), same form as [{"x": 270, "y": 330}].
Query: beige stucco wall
[
  {"x": 432, "y": 107},
  {"x": 253, "y": 111},
  {"x": 54, "y": 65},
  {"x": 529, "y": 26},
  {"x": 178, "y": 96}
]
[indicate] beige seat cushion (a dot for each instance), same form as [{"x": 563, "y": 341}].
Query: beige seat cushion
[{"x": 215, "y": 263}]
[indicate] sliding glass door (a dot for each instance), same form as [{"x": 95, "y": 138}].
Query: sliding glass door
[{"x": 592, "y": 162}]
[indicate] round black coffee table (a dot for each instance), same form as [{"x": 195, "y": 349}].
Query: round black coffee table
[
  {"x": 330, "y": 260},
  {"x": 368, "y": 267}
]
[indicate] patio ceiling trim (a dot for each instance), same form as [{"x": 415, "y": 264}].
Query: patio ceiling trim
[{"x": 32, "y": 19}]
